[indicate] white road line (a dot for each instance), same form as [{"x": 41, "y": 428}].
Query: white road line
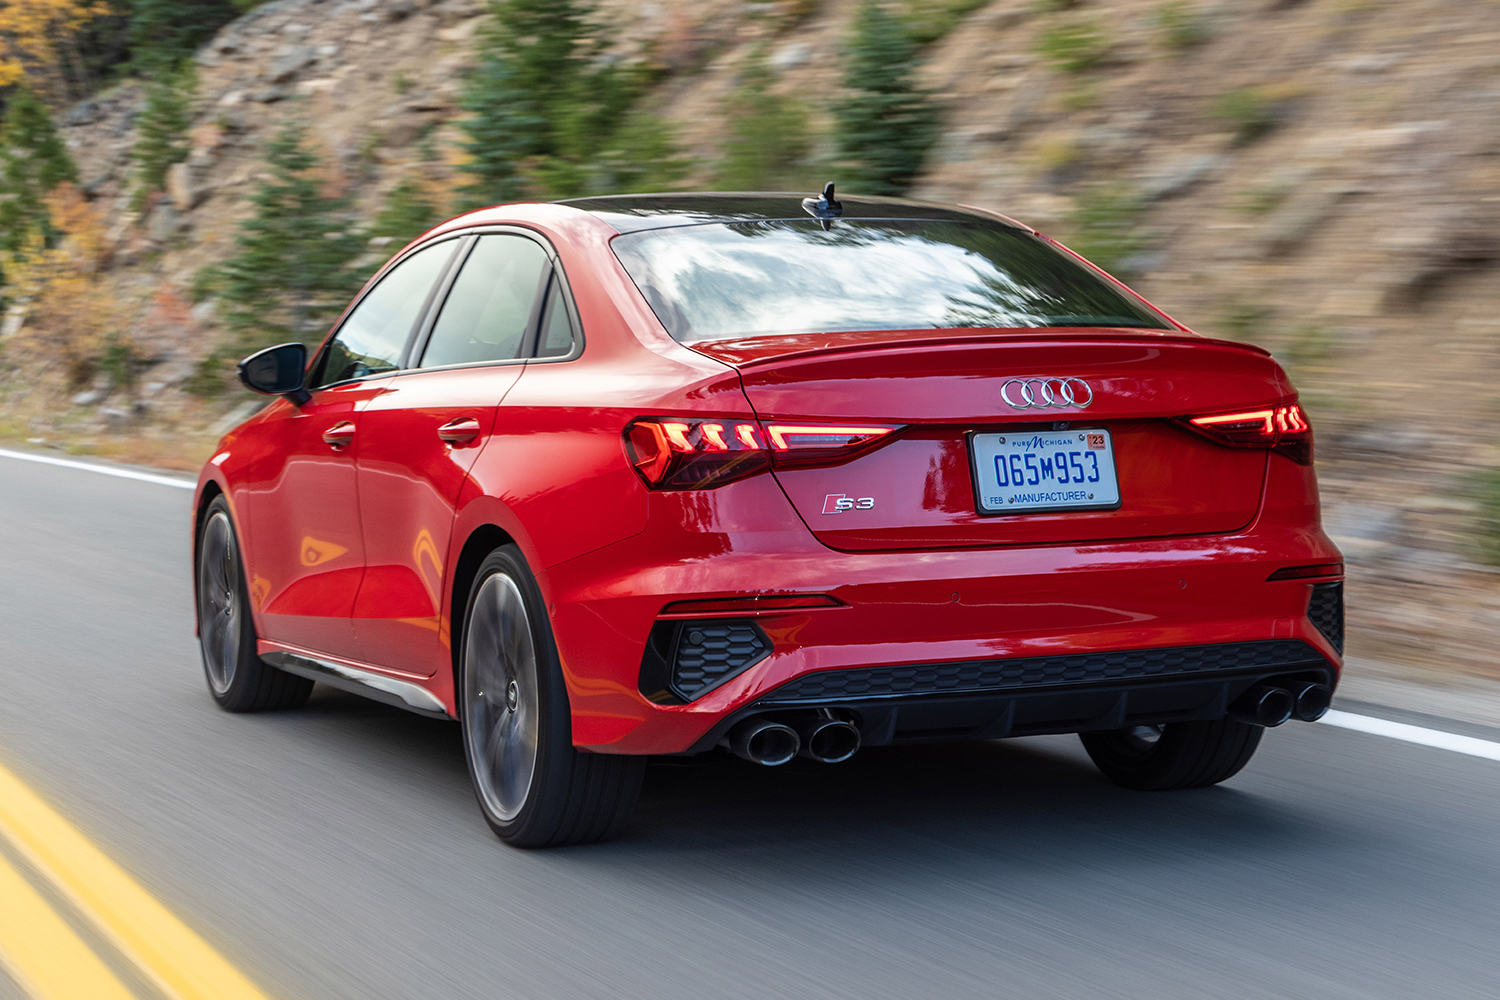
[
  {"x": 103, "y": 470},
  {"x": 1344, "y": 720},
  {"x": 1414, "y": 734}
]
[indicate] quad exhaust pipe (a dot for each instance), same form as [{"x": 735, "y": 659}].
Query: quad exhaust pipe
[
  {"x": 761, "y": 741},
  {"x": 1271, "y": 705},
  {"x": 823, "y": 737},
  {"x": 828, "y": 739}
]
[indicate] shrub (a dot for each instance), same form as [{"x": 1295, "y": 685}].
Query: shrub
[
  {"x": 1106, "y": 227},
  {"x": 930, "y": 20},
  {"x": 1074, "y": 45},
  {"x": 1488, "y": 516},
  {"x": 1248, "y": 111},
  {"x": 1182, "y": 25},
  {"x": 768, "y": 137}
]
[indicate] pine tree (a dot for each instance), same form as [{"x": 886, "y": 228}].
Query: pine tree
[
  {"x": 291, "y": 274},
  {"x": 768, "y": 135},
  {"x": 408, "y": 212},
  {"x": 165, "y": 32},
  {"x": 542, "y": 107},
  {"x": 33, "y": 161},
  {"x": 161, "y": 130},
  {"x": 886, "y": 124},
  {"x": 503, "y": 127}
]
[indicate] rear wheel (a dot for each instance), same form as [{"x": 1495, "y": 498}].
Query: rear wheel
[
  {"x": 1176, "y": 755},
  {"x": 237, "y": 677},
  {"x": 534, "y": 788}
]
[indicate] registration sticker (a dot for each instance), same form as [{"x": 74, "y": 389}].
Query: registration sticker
[{"x": 1044, "y": 470}]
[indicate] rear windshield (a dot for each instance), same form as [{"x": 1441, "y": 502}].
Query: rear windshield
[{"x": 719, "y": 281}]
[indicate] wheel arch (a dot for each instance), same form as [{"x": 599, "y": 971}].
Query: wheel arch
[
  {"x": 206, "y": 495},
  {"x": 482, "y": 540}
]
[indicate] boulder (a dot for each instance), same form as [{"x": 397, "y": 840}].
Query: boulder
[
  {"x": 296, "y": 59},
  {"x": 180, "y": 187}
]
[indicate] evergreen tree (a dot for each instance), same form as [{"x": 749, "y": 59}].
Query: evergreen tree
[
  {"x": 290, "y": 275},
  {"x": 542, "y": 106},
  {"x": 886, "y": 124},
  {"x": 33, "y": 161},
  {"x": 503, "y": 127},
  {"x": 161, "y": 131},
  {"x": 768, "y": 135},
  {"x": 408, "y": 212},
  {"x": 165, "y": 32}
]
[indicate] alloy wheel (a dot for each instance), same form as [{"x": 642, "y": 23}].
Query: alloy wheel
[
  {"x": 501, "y": 697},
  {"x": 220, "y": 603}
]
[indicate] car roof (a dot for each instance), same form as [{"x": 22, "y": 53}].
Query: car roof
[{"x": 630, "y": 213}]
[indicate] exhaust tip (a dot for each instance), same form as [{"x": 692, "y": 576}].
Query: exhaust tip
[
  {"x": 764, "y": 742},
  {"x": 829, "y": 741},
  {"x": 1263, "y": 705},
  {"x": 1311, "y": 702}
]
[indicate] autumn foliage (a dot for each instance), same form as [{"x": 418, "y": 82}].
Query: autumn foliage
[{"x": 39, "y": 42}]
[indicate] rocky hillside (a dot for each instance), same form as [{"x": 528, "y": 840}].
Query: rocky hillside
[{"x": 1321, "y": 177}]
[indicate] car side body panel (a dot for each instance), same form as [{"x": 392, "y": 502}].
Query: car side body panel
[{"x": 550, "y": 472}]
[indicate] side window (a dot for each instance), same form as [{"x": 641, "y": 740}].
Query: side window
[
  {"x": 374, "y": 334},
  {"x": 493, "y": 302},
  {"x": 556, "y": 340}
]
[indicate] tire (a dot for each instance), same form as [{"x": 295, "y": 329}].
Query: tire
[
  {"x": 1177, "y": 755},
  {"x": 533, "y": 787},
  {"x": 237, "y": 677}
]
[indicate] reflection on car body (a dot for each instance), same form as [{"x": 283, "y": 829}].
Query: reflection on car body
[{"x": 564, "y": 470}]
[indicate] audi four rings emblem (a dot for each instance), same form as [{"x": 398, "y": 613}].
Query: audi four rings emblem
[{"x": 1037, "y": 393}]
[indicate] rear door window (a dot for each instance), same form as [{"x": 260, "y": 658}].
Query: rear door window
[
  {"x": 493, "y": 304},
  {"x": 374, "y": 335}
]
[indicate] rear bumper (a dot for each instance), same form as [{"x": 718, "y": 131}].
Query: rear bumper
[
  {"x": 943, "y": 609},
  {"x": 1025, "y": 697}
]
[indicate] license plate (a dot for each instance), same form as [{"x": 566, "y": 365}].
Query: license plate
[{"x": 1044, "y": 470}]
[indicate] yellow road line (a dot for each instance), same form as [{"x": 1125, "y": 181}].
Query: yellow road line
[
  {"x": 177, "y": 961},
  {"x": 42, "y": 954}
]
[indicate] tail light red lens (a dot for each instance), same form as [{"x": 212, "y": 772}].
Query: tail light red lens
[
  {"x": 681, "y": 453},
  {"x": 1281, "y": 428}
]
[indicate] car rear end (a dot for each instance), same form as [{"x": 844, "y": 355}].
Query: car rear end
[{"x": 1039, "y": 507}]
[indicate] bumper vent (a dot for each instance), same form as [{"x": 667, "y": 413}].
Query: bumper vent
[
  {"x": 1326, "y": 610},
  {"x": 687, "y": 659},
  {"x": 1083, "y": 668}
]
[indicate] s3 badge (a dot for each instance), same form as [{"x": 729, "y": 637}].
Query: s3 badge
[{"x": 837, "y": 503}]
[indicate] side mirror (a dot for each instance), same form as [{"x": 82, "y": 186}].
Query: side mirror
[{"x": 278, "y": 371}]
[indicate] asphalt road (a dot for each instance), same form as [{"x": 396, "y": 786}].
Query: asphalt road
[{"x": 336, "y": 851}]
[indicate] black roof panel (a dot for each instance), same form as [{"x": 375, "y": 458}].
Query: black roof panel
[{"x": 631, "y": 213}]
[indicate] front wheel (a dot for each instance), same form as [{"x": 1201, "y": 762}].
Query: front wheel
[
  {"x": 1176, "y": 755},
  {"x": 237, "y": 677},
  {"x": 534, "y": 788}
]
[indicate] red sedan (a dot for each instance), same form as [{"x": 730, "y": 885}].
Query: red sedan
[{"x": 657, "y": 475}]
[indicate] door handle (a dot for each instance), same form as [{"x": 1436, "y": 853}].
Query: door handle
[
  {"x": 339, "y": 435},
  {"x": 460, "y": 431}
]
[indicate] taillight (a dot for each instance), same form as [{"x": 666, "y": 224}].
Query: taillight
[
  {"x": 681, "y": 453},
  {"x": 1282, "y": 428}
]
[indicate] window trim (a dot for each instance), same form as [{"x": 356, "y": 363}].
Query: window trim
[
  {"x": 418, "y": 346},
  {"x": 315, "y": 370},
  {"x": 560, "y": 277}
]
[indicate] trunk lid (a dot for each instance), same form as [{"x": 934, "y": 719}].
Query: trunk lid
[{"x": 918, "y": 490}]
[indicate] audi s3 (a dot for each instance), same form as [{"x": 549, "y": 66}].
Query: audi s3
[{"x": 779, "y": 477}]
